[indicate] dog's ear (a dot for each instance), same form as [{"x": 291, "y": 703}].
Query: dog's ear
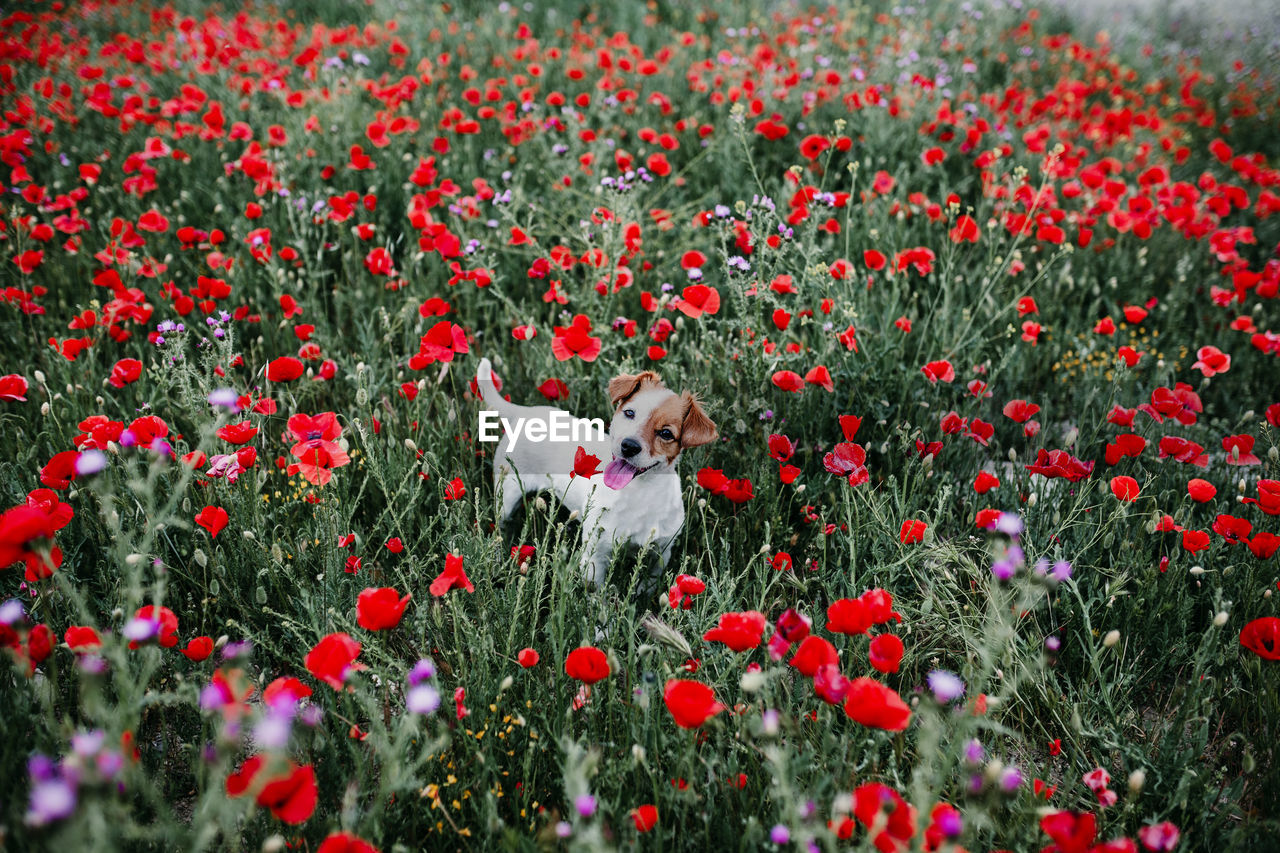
[
  {"x": 697, "y": 428},
  {"x": 624, "y": 386}
]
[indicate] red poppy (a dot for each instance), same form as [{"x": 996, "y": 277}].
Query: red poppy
[
  {"x": 379, "y": 609},
  {"x": 821, "y": 377},
  {"x": 1072, "y": 832},
  {"x": 13, "y": 388},
  {"x": 26, "y": 534},
  {"x": 879, "y": 605},
  {"x": 879, "y": 807},
  {"x": 788, "y": 380},
  {"x": 60, "y": 471},
  {"x": 554, "y": 389},
  {"x": 528, "y": 658},
  {"x": 813, "y": 145},
  {"x": 1262, "y": 637},
  {"x": 847, "y": 459},
  {"x": 1180, "y": 402},
  {"x": 332, "y": 658},
  {"x": 965, "y": 229},
  {"x": 198, "y": 648},
  {"x": 1184, "y": 450},
  {"x": 284, "y": 369},
  {"x": 81, "y": 639},
  {"x": 1233, "y": 530},
  {"x": 238, "y": 433},
  {"x": 1264, "y": 545},
  {"x": 1125, "y": 488},
  {"x": 584, "y": 464},
  {"x": 691, "y": 703},
  {"x": 285, "y": 689},
  {"x": 1195, "y": 540},
  {"x": 345, "y": 842},
  {"x": 986, "y": 518},
  {"x": 1211, "y": 361},
  {"x": 1060, "y": 463},
  {"x": 1019, "y": 411},
  {"x": 697, "y": 299},
  {"x": 587, "y": 664},
  {"x": 814, "y": 652},
  {"x": 316, "y": 447},
  {"x": 886, "y": 653},
  {"x": 290, "y": 795},
  {"x": 441, "y": 342},
  {"x": 1268, "y": 499},
  {"x": 912, "y": 531},
  {"x": 939, "y": 371},
  {"x": 876, "y": 706},
  {"x": 1240, "y": 450},
  {"x": 454, "y": 489},
  {"x": 453, "y": 577},
  {"x": 1125, "y": 446},
  {"x": 713, "y": 480},
  {"x": 576, "y": 339},
  {"x": 985, "y": 482},
  {"x": 124, "y": 372},
  {"x": 739, "y": 631},
  {"x": 848, "y": 616},
  {"x": 849, "y": 425},
  {"x": 645, "y": 817},
  {"x": 781, "y": 448},
  {"x": 212, "y": 519},
  {"x": 166, "y": 625}
]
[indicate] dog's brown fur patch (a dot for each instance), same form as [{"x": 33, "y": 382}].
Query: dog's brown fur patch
[
  {"x": 625, "y": 386},
  {"x": 689, "y": 425},
  {"x": 668, "y": 415}
]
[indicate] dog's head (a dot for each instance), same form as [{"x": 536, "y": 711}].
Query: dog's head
[{"x": 651, "y": 426}]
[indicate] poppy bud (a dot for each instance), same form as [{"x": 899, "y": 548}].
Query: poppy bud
[
  {"x": 1137, "y": 779},
  {"x": 1220, "y": 619},
  {"x": 1112, "y": 637}
]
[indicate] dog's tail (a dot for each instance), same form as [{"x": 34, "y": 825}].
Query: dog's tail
[{"x": 488, "y": 390}]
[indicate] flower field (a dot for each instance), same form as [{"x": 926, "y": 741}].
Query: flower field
[{"x": 981, "y": 300}]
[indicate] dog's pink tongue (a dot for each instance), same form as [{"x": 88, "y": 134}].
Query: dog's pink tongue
[{"x": 618, "y": 473}]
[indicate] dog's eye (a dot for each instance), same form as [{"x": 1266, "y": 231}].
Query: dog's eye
[
  {"x": 666, "y": 435},
  {"x": 630, "y": 414}
]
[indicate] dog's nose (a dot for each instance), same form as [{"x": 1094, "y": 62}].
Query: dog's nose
[{"x": 630, "y": 447}]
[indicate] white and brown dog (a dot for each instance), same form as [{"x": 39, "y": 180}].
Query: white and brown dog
[{"x": 636, "y": 498}]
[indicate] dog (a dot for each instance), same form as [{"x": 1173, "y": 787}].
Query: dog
[{"x": 636, "y": 497}]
